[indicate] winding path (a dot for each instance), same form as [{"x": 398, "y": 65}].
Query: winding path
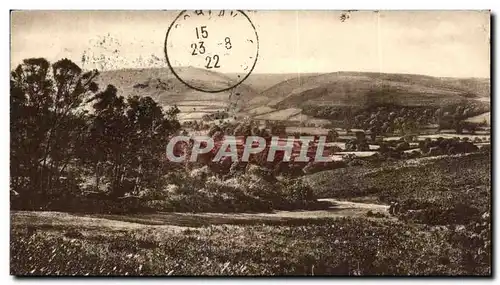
[{"x": 179, "y": 221}]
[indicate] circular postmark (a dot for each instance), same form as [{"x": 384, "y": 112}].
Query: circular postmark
[{"x": 203, "y": 47}]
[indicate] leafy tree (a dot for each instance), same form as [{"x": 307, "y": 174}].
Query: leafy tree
[
  {"x": 108, "y": 140},
  {"x": 65, "y": 132},
  {"x": 47, "y": 122},
  {"x": 129, "y": 138},
  {"x": 332, "y": 136},
  {"x": 348, "y": 121}
]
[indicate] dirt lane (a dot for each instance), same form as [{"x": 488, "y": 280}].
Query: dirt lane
[{"x": 179, "y": 221}]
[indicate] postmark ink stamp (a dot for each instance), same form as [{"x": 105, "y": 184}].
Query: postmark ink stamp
[{"x": 214, "y": 41}]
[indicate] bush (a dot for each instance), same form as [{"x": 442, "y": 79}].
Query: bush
[
  {"x": 443, "y": 215},
  {"x": 201, "y": 190},
  {"x": 372, "y": 214}
]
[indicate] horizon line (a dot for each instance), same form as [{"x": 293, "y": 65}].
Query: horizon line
[
  {"x": 268, "y": 73},
  {"x": 290, "y": 73}
]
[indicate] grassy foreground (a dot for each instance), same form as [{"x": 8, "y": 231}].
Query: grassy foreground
[
  {"x": 436, "y": 239},
  {"x": 345, "y": 246}
]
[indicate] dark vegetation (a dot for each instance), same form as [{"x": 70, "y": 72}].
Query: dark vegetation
[
  {"x": 219, "y": 115},
  {"x": 388, "y": 118},
  {"x": 75, "y": 147}
]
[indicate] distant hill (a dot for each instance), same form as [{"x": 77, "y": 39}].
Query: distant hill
[
  {"x": 478, "y": 86},
  {"x": 364, "y": 88},
  {"x": 164, "y": 87},
  {"x": 262, "y": 81},
  {"x": 284, "y": 96}
]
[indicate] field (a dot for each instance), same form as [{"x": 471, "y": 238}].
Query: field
[
  {"x": 281, "y": 115},
  {"x": 348, "y": 239},
  {"x": 341, "y": 247},
  {"x": 486, "y": 117},
  {"x": 309, "y": 130},
  {"x": 260, "y": 110},
  {"x": 471, "y": 137}
]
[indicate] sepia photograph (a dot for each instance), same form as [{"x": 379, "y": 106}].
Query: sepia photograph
[{"x": 250, "y": 143}]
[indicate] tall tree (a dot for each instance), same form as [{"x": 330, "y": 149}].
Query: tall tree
[
  {"x": 108, "y": 139},
  {"x": 127, "y": 141},
  {"x": 47, "y": 115}
]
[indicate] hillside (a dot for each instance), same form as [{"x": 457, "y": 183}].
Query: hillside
[
  {"x": 284, "y": 96},
  {"x": 361, "y": 89},
  {"x": 263, "y": 81},
  {"x": 163, "y": 86},
  {"x": 479, "y": 86}
]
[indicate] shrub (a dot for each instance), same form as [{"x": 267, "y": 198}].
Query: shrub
[
  {"x": 372, "y": 214},
  {"x": 444, "y": 215},
  {"x": 202, "y": 191}
]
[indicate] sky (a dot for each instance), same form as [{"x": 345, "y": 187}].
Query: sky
[{"x": 436, "y": 43}]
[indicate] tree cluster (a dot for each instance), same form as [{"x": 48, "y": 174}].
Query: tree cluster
[{"x": 68, "y": 137}]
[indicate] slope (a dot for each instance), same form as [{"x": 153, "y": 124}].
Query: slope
[
  {"x": 361, "y": 89},
  {"x": 164, "y": 87}
]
